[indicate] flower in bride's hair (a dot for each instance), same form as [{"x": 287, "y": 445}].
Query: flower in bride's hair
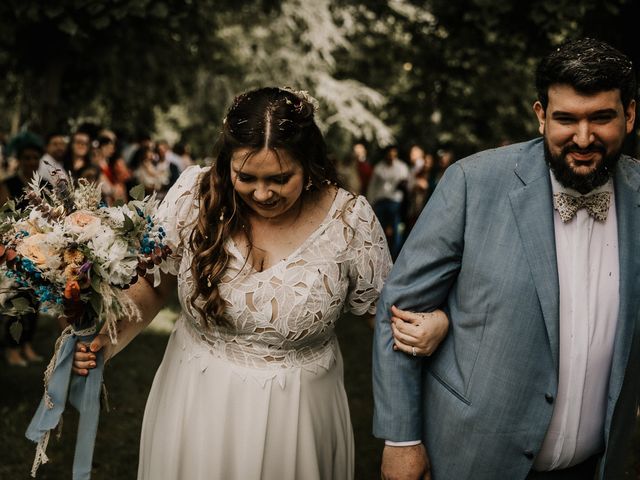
[{"x": 304, "y": 95}]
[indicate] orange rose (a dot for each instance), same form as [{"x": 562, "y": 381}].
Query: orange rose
[{"x": 72, "y": 290}]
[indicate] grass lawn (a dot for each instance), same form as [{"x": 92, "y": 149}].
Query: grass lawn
[{"x": 129, "y": 378}]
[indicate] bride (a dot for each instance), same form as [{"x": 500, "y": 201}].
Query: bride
[{"x": 268, "y": 253}]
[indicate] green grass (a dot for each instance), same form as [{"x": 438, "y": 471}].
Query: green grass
[{"x": 129, "y": 378}]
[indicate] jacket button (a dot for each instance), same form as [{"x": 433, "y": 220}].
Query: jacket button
[
  {"x": 528, "y": 454},
  {"x": 548, "y": 397}
]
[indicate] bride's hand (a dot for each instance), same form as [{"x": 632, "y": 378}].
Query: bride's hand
[
  {"x": 84, "y": 358},
  {"x": 418, "y": 333}
]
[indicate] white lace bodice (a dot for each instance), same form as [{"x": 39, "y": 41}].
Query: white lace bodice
[{"x": 284, "y": 316}]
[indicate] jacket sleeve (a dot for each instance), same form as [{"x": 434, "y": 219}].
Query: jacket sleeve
[{"x": 420, "y": 281}]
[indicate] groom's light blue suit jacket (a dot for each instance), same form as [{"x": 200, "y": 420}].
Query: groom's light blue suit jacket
[{"x": 484, "y": 250}]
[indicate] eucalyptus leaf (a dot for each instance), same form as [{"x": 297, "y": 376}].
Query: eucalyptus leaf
[
  {"x": 137, "y": 192},
  {"x": 16, "y": 331},
  {"x": 96, "y": 303},
  {"x": 128, "y": 223},
  {"x": 95, "y": 283}
]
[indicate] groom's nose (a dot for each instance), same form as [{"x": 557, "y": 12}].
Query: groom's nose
[{"x": 583, "y": 137}]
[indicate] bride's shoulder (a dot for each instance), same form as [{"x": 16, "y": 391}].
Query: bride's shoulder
[
  {"x": 192, "y": 175},
  {"x": 353, "y": 204},
  {"x": 188, "y": 182}
]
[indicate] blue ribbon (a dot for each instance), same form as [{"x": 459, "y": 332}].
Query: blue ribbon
[{"x": 83, "y": 393}]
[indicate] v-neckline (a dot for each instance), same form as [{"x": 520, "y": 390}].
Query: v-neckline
[{"x": 317, "y": 231}]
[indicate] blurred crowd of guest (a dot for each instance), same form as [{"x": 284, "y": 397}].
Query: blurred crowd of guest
[
  {"x": 97, "y": 155},
  {"x": 397, "y": 189}
]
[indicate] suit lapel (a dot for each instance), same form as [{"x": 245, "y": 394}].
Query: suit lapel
[
  {"x": 532, "y": 206},
  {"x": 627, "y": 193}
]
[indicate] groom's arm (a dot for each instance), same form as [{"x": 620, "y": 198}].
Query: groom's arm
[{"x": 420, "y": 281}]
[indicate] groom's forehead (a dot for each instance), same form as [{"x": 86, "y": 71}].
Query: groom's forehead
[{"x": 566, "y": 97}]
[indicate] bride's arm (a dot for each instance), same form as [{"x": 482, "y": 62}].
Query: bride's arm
[{"x": 149, "y": 301}]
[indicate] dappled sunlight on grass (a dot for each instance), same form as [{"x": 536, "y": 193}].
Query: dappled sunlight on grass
[{"x": 164, "y": 321}]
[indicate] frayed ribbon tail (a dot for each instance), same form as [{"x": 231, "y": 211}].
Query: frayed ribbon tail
[{"x": 82, "y": 392}]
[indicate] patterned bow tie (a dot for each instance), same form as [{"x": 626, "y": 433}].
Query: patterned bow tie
[{"x": 597, "y": 205}]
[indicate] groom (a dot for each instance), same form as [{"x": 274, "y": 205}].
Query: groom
[{"x": 533, "y": 250}]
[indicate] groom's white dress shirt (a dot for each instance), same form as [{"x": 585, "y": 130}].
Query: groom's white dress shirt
[{"x": 588, "y": 275}]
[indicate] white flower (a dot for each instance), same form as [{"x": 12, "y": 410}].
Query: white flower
[
  {"x": 114, "y": 260},
  {"x": 38, "y": 222},
  {"x": 116, "y": 214}
]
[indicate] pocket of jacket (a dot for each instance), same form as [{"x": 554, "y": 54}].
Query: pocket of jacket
[
  {"x": 454, "y": 362},
  {"x": 448, "y": 387}
]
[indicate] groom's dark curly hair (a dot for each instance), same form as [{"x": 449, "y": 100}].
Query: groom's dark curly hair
[{"x": 589, "y": 66}]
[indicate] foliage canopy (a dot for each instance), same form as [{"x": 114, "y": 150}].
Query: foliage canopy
[{"x": 434, "y": 72}]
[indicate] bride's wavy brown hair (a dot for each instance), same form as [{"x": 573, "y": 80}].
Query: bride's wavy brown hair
[{"x": 270, "y": 118}]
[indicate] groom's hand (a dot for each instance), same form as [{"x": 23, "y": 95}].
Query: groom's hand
[{"x": 405, "y": 463}]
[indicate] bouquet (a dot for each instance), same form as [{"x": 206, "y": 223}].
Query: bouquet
[{"x": 71, "y": 253}]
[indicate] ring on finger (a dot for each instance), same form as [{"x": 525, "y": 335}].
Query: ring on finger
[{"x": 413, "y": 351}]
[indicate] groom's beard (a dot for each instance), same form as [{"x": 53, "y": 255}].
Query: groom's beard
[{"x": 581, "y": 183}]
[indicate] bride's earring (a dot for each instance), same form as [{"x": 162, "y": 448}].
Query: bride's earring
[{"x": 309, "y": 184}]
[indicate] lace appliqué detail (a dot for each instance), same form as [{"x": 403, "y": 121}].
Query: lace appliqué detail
[{"x": 284, "y": 316}]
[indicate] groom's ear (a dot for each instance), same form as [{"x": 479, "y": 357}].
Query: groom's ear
[
  {"x": 630, "y": 116},
  {"x": 540, "y": 113}
]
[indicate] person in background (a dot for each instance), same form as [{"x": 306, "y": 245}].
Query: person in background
[
  {"x": 446, "y": 158},
  {"x": 78, "y": 153},
  {"x": 183, "y": 150},
  {"x": 52, "y": 160},
  {"x": 26, "y": 146},
  {"x": 154, "y": 174},
  {"x": 386, "y": 193},
  {"x": 114, "y": 173},
  {"x": 164, "y": 151},
  {"x": 5, "y": 169},
  {"x": 364, "y": 167},
  {"x": 419, "y": 186},
  {"x": 142, "y": 139},
  {"x": 90, "y": 173},
  {"x": 18, "y": 352}
]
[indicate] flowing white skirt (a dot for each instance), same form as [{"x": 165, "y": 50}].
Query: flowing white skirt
[{"x": 207, "y": 418}]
